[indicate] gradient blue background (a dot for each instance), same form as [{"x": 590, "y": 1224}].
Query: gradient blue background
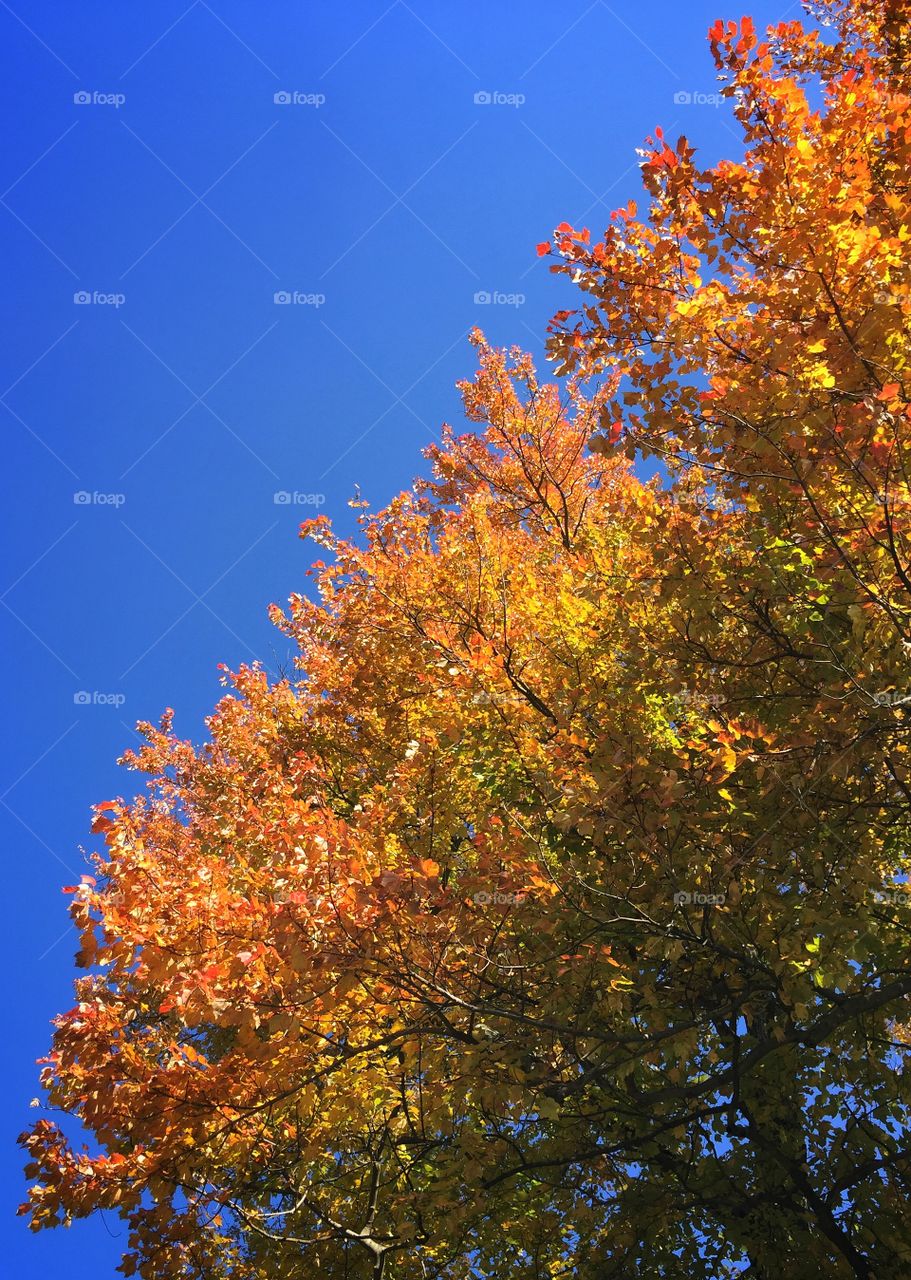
[{"x": 398, "y": 199}]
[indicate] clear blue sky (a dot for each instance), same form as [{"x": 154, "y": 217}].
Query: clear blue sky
[{"x": 184, "y": 188}]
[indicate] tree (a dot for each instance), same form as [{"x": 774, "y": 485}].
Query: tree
[{"x": 553, "y": 922}]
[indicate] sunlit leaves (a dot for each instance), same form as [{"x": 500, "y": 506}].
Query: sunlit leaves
[{"x": 564, "y": 883}]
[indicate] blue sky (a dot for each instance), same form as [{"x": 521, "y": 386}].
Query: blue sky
[{"x": 156, "y": 199}]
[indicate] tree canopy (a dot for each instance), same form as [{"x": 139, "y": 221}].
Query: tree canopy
[{"x": 552, "y": 920}]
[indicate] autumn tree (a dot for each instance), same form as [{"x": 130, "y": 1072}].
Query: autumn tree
[{"x": 553, "y": 921}]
